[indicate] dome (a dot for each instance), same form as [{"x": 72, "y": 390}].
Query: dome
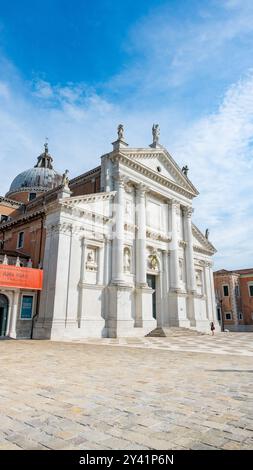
[
  {"x": 40, "y": 178},
  {"x": 35, "y": 178}
]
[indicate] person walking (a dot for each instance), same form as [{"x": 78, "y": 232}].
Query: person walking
[{"x": 212, "y": 327}]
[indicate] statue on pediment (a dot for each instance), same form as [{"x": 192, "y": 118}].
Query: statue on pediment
[
  {"x": 120, "y": 132},
  {"x": 65, "y": 179},
  {"x": 185, "y": 170},
  {"x": 156, "y": 133},
  {"x": 207, "y": 234}
]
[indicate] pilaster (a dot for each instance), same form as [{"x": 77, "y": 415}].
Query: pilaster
[
  {"x": 174, "y": 258},
  {"x": 141, "y": 257}
]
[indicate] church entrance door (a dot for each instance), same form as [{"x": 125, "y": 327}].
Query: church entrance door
[
  {"x": 151, "y": 281},
  {"x": 4, "y": 307}
]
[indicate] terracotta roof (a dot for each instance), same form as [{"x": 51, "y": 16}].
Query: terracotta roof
[
  {"x": 235, "y": 271},
  {"x": 244, "y": 271}
]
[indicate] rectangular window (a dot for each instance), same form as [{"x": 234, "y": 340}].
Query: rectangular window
[
  {"x": 219, "y": 314},
  {"x": 3, "y": 218},
  {"x": 251, "y": 290},
  {"x": 225, "y": 291},
  {"x": 237, "y": 291},
  {"x": 32, "y": 196},
  {"x": 21, "y": 237},
  {"x": 26, "y": 311},
  {"x": 228, "y": 316}
]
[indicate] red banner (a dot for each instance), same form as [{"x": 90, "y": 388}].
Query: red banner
[{"x": 23, "y": 278}]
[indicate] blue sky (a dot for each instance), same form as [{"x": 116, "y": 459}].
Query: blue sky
[{"x": 73, "y": 70}]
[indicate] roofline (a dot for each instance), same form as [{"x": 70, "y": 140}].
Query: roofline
[
  {"x": 12, "y": 202},
  {"x": 85, "y": 175},
  {"x": 14, "y": 254},
  {"x": 29, "y": 189},
  {"x": 238, "y": 272},
  {"x": 22, "y": 219}
]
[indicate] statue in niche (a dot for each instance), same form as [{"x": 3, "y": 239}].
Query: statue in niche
[
  {"x": 91, "y": 257},
  {"x": 120, "y": 132},
  {"x": 91, "y": 260},
  {"x": 156, "y": 133},
  {"x": 153, "y": 262},
  {"x": 127, "y": 260}
]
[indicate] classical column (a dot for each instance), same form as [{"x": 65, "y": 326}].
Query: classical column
[
  {"x": 107, "y": 261},
  {"x": 190, "y": 270},
  {"x": 213, "y": 301},
  {"x": 14, "y": 315},
  {"x": 118, "y": 240},
  {"x": 206, "y": 288},
  {"x": 82, "y": 280},
  {"x": 175, "y": 281},
  {"x": 100, "y": 274},
  {"x": 141, "y": 261}
]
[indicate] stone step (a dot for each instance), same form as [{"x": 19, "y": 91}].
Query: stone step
[{"x": 173, "y": 331}]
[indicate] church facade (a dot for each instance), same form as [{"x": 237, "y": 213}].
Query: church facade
[{"x": 124, "y": 257}]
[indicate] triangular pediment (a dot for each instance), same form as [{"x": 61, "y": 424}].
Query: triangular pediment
[
  {"x": 160, "y": 162},
  {"x": 200, "y": 242}
]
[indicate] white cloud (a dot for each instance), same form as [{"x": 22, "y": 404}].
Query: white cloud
[
  {"x": 218, "y": 149},
  {"x": 212, "y": 41},
  {"x": 81, "y": 123}
]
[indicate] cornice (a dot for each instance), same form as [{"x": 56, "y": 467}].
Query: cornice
[
  {"x": 81, "y": 212},
  {"x": 153, "y": 235},
  {"x": 71, "y": 201},
  {"x": 84, "y": 176},
  {"x": 130, "y": 227},
  {"x": 10, "y": 202},
  {"x": 28, "y": 189},
  {"x": 182, "y": 243},
  {"x": 22, "y": 219},
  {"x": 205, "y": 251}
]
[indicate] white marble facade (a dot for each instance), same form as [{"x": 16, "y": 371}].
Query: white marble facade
[{"x": 128, "y": 259}]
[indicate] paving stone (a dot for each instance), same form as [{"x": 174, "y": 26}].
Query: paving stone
[{"x": 81, "y": 396}]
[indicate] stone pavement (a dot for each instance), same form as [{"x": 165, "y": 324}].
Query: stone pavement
[
  {"x": 221, "y": 343},
  {"x": 141, "y": 395}
]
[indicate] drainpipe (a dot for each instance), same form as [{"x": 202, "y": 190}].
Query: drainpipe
[
  {"x": 221, "y": 316},
  {"x": 38, "y": 292},
  {"x": 36, "y": 314}
]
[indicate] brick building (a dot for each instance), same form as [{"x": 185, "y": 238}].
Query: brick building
[
  {"x": 23, "y": 208},
  {"x": 234, "y": 298}
]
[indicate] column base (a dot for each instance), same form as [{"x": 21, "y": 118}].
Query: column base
[
  {"x": 144, "y": 310},
  {"x": 120, "y": 319}
]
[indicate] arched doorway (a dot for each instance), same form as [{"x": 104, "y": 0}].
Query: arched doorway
[{"x": 4, "y": 307}]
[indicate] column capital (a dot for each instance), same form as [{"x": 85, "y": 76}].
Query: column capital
[
  {"x": 141, "y": 188},
  {"x": 174, "y": 203},
  {"x": 120, "y": 179},
  {"x": 188, "y": 211}
]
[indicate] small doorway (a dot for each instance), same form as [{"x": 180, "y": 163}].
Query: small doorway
[
  {"x": 4, "y": 307},
  {"x": 151, "y": 281}
]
